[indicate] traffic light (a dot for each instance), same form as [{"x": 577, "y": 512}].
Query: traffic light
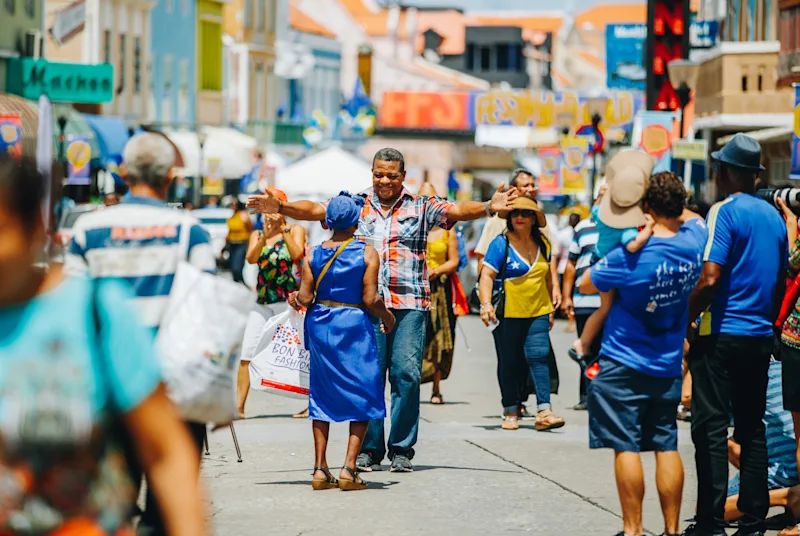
[{"x": 667, "y": 40}]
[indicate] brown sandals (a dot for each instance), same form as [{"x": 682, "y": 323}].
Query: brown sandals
[
  {"x": 545, "y": 420},
  {"x": 352, "y": 485},
  {"x": 328, "y": 483}
]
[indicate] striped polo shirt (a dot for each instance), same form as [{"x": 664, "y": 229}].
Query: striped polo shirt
[
  {"x": 140, "y": 241},
  {"x": 581, "y": 251}
]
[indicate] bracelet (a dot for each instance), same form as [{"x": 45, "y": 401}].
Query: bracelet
[
  {"x": 488, "y": 304},
  {"x": 489, "y": 209},
  {"x": 286, "y": 230}
]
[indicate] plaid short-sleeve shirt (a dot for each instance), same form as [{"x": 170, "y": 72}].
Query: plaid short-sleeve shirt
[{"x": 401, "y": 238}]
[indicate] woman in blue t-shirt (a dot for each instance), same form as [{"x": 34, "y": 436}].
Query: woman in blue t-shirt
[
  {"x": 77, "y": 371},
  {"x": 632, "y": 399}
]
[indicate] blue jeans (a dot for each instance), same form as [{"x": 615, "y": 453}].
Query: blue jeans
[
  {"x": 401, "y": 352},
  {"x": 237, "y": 251},
  {"x": 522, "y": 346}
]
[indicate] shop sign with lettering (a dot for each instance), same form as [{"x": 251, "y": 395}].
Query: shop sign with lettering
[{"x": 61, "y": 82}]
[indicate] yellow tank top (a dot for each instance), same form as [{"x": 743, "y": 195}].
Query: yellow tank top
[
  {"x": 237, "y": 229},
  {"x": 526, "y": 287},
  {"x": 437, "y": 252}
]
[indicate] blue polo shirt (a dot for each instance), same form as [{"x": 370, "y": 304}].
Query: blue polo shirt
[
  {"x": 747, "y": 237},
  {"x": 646, "y": 326}
]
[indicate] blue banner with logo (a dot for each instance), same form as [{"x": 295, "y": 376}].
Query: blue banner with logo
[
  {"x": 79, "y": 155},
  {"x": 795, "y": 171},
  {"x": 625, "y": 56}
]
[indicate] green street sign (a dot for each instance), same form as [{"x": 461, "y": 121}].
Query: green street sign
[{"x": 61, "y": 82}]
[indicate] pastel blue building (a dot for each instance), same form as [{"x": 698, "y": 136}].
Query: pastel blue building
[{"x": 173, "y": 36}]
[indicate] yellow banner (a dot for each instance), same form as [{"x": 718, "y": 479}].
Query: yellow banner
[
  {"x": 574, "y": 151},
  {"x": 214, "y": 182}
]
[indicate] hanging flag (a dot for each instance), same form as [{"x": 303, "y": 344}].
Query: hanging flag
[
  {"x": 573, "y": 165},
  {"x": 11, "y": 134},
  {"x": 249, "y": 182},
  {"x": 359, "y": 100},
  {"x": 79, "y": 156},
  {"x": 795, "y": 171},
  {"x": 652, "y": 132},
  {"x": 550, "y": 178}
]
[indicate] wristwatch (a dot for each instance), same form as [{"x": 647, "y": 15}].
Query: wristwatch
[
  {"x": 286, "y": 230},
  {"x": 489, "y": 212}
]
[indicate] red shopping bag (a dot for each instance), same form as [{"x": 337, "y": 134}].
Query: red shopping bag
[{"x": 460, "y": 302}]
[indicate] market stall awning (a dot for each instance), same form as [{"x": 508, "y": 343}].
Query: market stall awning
[
  {"x": 765, "y": 135},
  {"x": 324, "y": 174},
  {"x": 111, "y": 132},
  {"x": 233, "y": 149}
]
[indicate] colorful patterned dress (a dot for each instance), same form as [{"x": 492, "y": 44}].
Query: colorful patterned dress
[
  {"x": 790, "y": 334},
  {"x": 278, "y": 274}
]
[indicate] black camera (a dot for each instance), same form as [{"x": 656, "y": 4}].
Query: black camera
[{"x": 790, "y": 196}]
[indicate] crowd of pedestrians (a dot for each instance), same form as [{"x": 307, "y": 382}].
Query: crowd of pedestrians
[{"x": 670, "y": 309}]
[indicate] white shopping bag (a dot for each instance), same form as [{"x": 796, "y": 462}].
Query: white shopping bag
[
  {"x": 200, "y": 340},
  {"x": 280, "y": 362}
]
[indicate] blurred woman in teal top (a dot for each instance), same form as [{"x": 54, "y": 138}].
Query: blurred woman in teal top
[{"x": 74, "y": 365}]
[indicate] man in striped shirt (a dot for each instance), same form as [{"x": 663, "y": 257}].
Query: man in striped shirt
[
  {"x": 581, "y": 306},
  {"x": 142, "y": 241}
]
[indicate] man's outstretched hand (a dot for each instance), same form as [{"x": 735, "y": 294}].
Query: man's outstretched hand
[
  {"x": 265, "y": 203},
  {"x": 503, "y": 200}
]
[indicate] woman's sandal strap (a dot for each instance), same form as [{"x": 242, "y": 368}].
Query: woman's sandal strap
[
  {"x": 352, "y": 472},
  {"x": 328, "y": 474}
]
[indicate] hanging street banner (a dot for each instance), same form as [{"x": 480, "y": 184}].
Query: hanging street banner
[
  {"x": 574, "y": 151},
  {"x": 11, "y": 134},
  {"x": 79, "y": 155},
  {"x": 652, "y": 133},
  {"x": 214, "y": 181},
  {"x": 550, "y": 178},
  {"x": 794, "y": 173},
  {"x": 464, "y": 111}
]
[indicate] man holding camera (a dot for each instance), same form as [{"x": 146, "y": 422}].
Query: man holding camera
[{"x": 742, "y": 283}]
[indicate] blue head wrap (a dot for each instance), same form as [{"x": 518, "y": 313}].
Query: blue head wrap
[{"x": 343, "y": 211}]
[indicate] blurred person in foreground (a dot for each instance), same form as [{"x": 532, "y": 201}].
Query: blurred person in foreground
[
  {"x": 396, "y": 223},
  {"x": 142, "y": 241},
  {"x": 278, "y": 251},
  {"x": 440, "y": 333},
  {"x": 239, "y": 227},
  {"x": 632, "y": 399},
  {"x": 69, "y": 387},
  {"x": 340, "y": 289},
  {"x": 739, "y": 295}
]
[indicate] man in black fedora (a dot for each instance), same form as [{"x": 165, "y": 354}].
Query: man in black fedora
[{"x": 742, "y": 285}]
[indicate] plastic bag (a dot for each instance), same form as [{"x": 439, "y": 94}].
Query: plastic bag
[
  {"x": 280, "y": 363},
  {"x": 200, "y": 341}
]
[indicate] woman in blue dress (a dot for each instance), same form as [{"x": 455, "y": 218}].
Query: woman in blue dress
[{"x": 340, "y": 288}]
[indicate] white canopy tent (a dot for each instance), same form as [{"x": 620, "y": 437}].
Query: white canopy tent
[
  {"x": 233, "y": 148},
  {"x": 324, "y": 174}
]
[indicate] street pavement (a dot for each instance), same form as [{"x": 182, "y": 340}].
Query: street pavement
[{"x": 471, "y": 477}]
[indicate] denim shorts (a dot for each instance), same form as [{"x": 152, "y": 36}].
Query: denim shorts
[{"x": 632, "y": 412}]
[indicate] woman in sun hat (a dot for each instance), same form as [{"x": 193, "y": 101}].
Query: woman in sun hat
[{"x": 519, "y": 260}]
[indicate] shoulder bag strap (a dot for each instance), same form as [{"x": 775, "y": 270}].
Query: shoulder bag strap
[
  {"x": 330, "y": 262},
  {"x": 505, "y": 261}
]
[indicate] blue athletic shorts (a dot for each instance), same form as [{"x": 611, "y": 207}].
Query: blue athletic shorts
[{"x": 632, "y": 412}]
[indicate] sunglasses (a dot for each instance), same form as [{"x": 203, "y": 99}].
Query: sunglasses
[{"x": 523, "y": 213}]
